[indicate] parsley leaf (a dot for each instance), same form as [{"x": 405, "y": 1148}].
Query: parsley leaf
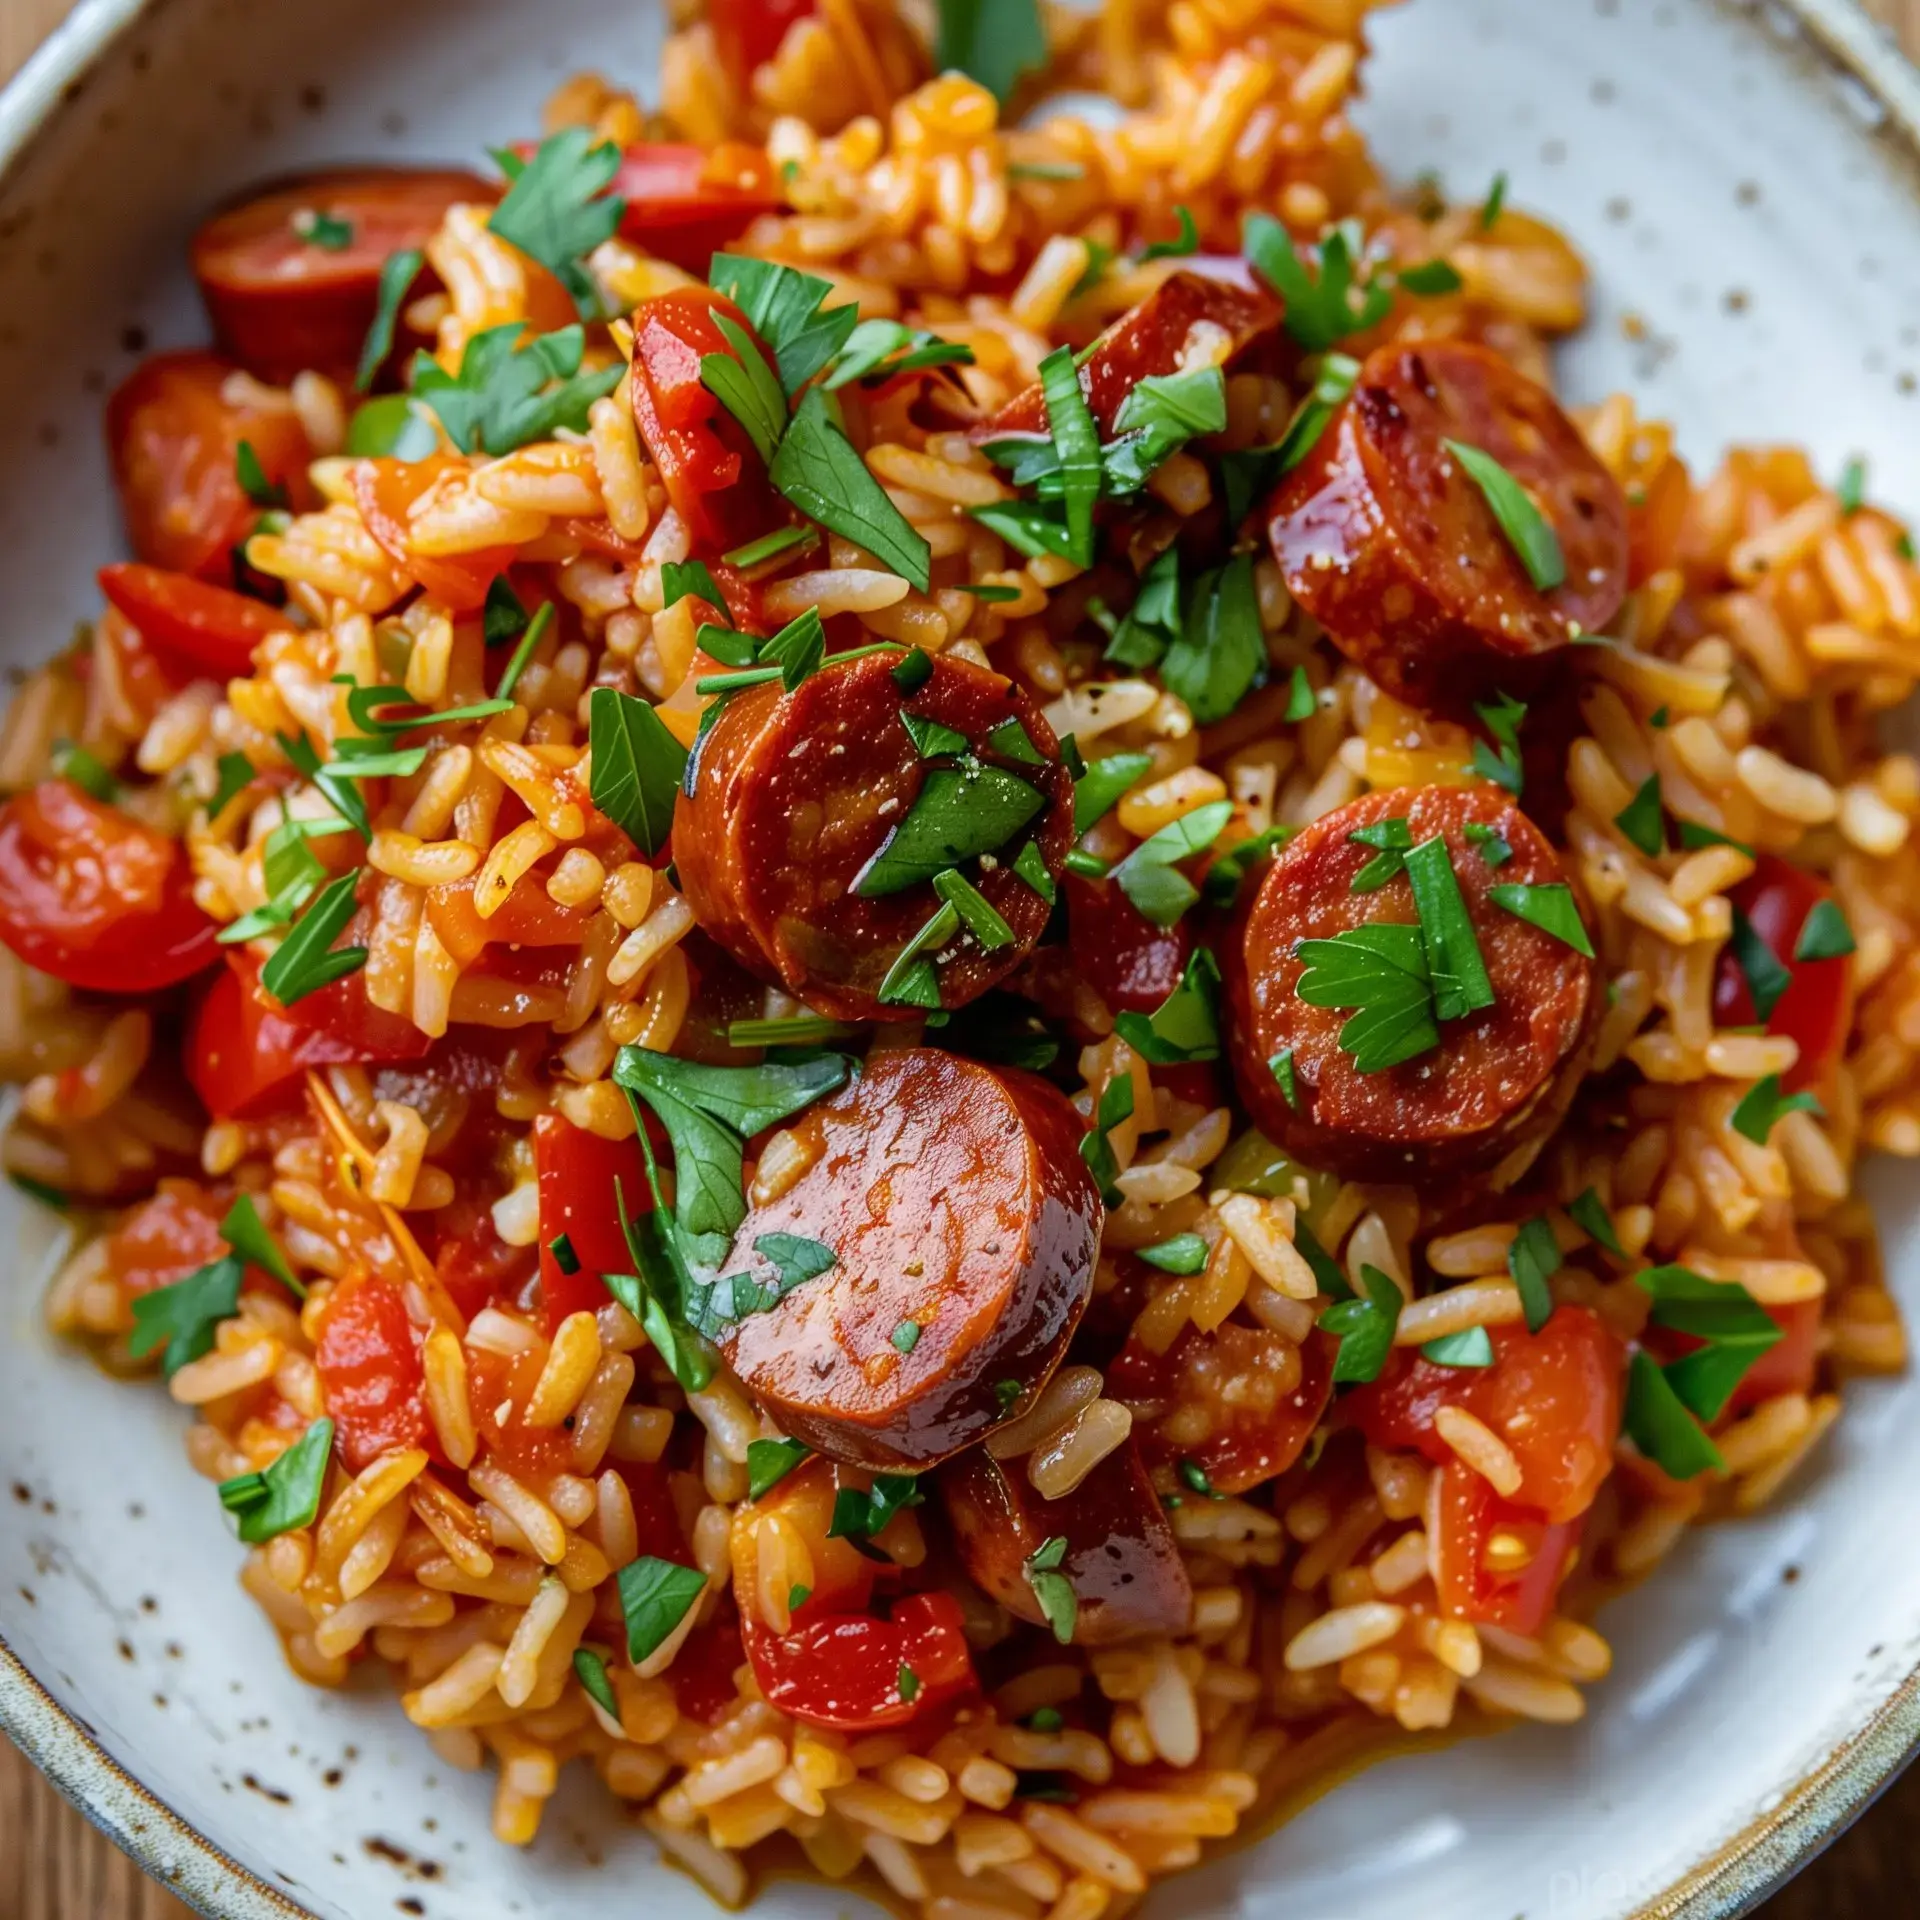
[
  {"x": 818, "y": 470},
  {"x": 1185, "y": 1253},
  {"x": 555, "y": 211},
  {"x": 1161, "y": 413},
  {"x": 1150, "y": 877},
  {"x": 783, "y": 306},
  {"x": 1550, "y": 908},
  {"x": 1153, "y": 621},
  {"x": 1059, "y": 1604},
  {"x": 1533, "y": 1259},
  {"x": 246, "y": 1233},
  {"x": 1590, "y": 1215},
  {"x": 185, "y": 1314},
  {"x": 913, "y": 980},
  {"x": 1656, "y": 1420},
  {"x": 504, "y": 397},
  {"x": 1115, "y": 1107},
  {"x": 745, "y": 385},
  {"x": 253, "y": 479},
  {"x": 1381, "y": 972},
  {"x": 1365, "y": 1328},
  {"x": 590, "y": 1669},
  {"x": 1286, "y": 1077},
  {"x": 1529, "y": 533},
  {"x": 859, "y": 1515},
  {"x": 1098, "y": 790},
  {"x": 1077, "y": 441},
  {"x": 1824, "y": 933},
  {"x": 1642, "y": 820},
  {"x": 1852, "y": 489},
  {"x": 995, "y": 42},
  {"x": 285, "y": 1496},
  {"x": 1221, "y": 651},
  {"x": 637, "y": 766},
  {"x": 769, "y": 1462},
  {"x": 1319, "y": 293},
  {"x": 1186, "y": 1024},
  {"x": 399, "y": 273},
  {"x": 1471, "y": 1347},
  {"x": 1766, "y": 975},
  {"x": 1492, "y": 843},
  {"x": 1763, "y": 1106},
  {"x": 304, "y": 962},
  {"x": 1733, "y": 1326},
  {"x": 1502, "y": 719},
  {"x": 958, "y": 814},
  {"x": 1454, "y": 963},
  {"x": 75, "y": 763},
  {"x": 976, "y": 912},
  {"x": 1177, "y": 249},
  {"x": 879, "y": 350},
  {"x": 655, "y": 1596},
  {"x": 1393, "y": 840}
]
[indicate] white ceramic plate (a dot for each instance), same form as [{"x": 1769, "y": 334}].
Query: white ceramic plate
[{"x": 1744, "y": 181}]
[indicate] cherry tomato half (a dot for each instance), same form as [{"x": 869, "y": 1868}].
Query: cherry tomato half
[
  {"x": 577, "y": 1172},
  {"x": 1476, "y": 1585},
  {"x": 95, "y": 898},
  {"x": 246, "y": 1056},
  {"x": 1553, "y": 1396},
  {"x": 211, "y": 629},
  {"x": 291, "y": 275},
  {"x": 173, "y": 439},
  {"x": 1816, "y": 1011},
  {"x": 714, "y": 477},
  {"x": 856, "y": 1674},
  {"x": 368, "y": 1358}
]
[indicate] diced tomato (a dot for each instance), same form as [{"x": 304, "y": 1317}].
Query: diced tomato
[
  {"x": 1816, "y": 1011},
  {"x": 1552, "y": 1396},
  {"x": 748, "y": 33},
  {"x": 528, "y": 917},
  {"x": 577, "y": 1172},
  {"x": 283, "y": 303},
  {"x": 1128, "y": 961},
  {"x": 656, "y": 1521},
  {"x": 246, "y": 1056},
  {"x": 146, "y": 679},
  {"x": 93, "y": 897},
  {"x": 1252, "y": 1433},
  {"x": 685, "y": 203},
  {"x": 500, "y": 1385},
  {"x": 475, "y": 1265},
  {"x": 702, "y": 1672},
  {"x": 858, "y": 1674},
  {"x": 368, "y": 1357},
  {"x": 207, "y": 628},
  {"x": 1519, "y": 1598},
  {"x": 173, "y": 439},
  {"x": 712, "y": 473},
  {"x": 1655, "y": 520},
  {"x": 384, "y": 489},
  {"x": 167, "y": 1237}
]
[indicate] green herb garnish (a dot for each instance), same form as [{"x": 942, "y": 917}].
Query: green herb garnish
[
  {"x": 656, "y": 1595},
  {"x": 285, "y": 1496},
  {"x": 1059, "y": 1604},
  {"x": 1764, "y": 1105},
  {"x": 637, "y": 766},
  {"x": 1550, "y": 908},
  {"x": 557, "y": 210},
  {"x": 1529, "y": 533},
  {"x": 1642, "y": 819}
]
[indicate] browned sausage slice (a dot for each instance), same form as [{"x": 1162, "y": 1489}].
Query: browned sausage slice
[
  {"x": 1186, "y": 315},
  {"x": 964, "y": 1229},
  {"x": 1387, "y": 541},
  {"x": 1500, "y": 1078},
  {"x": 1119, "y": 1557},
  {"x": 291, "y": 275},
  {"x": 801, "y": 806}
]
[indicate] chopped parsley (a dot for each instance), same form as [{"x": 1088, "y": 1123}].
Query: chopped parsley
[
  {"x": 73, "y": 762},
  {"x": 1454, "y": 962},
  {"x": 1852, "y": 490},
  {"x": 769, "y": 1462},
  {"x": 504, "y": 616},
  {"x": 1364, "y": 1327},
  {"x": 1494, "y": 204},
  {"x": 1764, "y": 1105},
  {"x": 1733, "y": 1326},
  {"x": 1059, "y": 1604},
  {"x": 931, "y": 739},
  {"x": 746, "y": 386},
  {"x": 1325, "y": 300},
  {"x": 324, "y": 230},
  {"x": 1491, "y": 843},
  {"x": 1286, "y": 1077},
  {"x": 859, "y": 1515},
  {"x": 655, "y": 1596},
  {"x": 995, "y": 42},
  {"x": 1824, "y": 934},
  {"x": 590, "y": 1669},
  {"x": 1533, "y": 1259},
  {"x": 564, "y": 1257},
  {"x": 1077, "y": 441},
  {"x": 1766, "y": 974},
  {"x": 1220, "y": 654},
  {"x": 543, "y": 618},
  {"x": 401, "y": 270},
  {"x": 182, "y": 1317},
  {"x": 505, "y": 396},
  {"x": 1195, "y": 1476},
  {"x": 788, "y": 1030},
  {"x": 1150, "y": 876},
  {"x": 785, "y": 307},
  {"x": 305, "y": 961},
  {"x": 1694, "y": 836},
  {"x": 906, "y": 1681},
  {"x": 1430, "y": 277},
  {"x": 285, "y": 1496},
  {"x": 253, "y": 479},
  {"x": 1186, "y": 1024},
  {"x": 1185, "y": 1253},
  {"x": 1471, "y": 1347},
  {"x": 905, "y": 1337},
  {"x": 976, "y": 912},
  {"x": 1528, "y": 531},
  {"x": 1550, "y": 908},
  {"x": 1187, "y": 242},
  {"x": 1657, "y": 1421},
  {"x": 879, "y": 350},
  {"x": 1589, "y": 1213},
  {"x": 1114, "y": 1108},
  {"x": 958, "y": 814},
  {"x": 1392, "y": 840},
  {"x": 1380, "y": 973},
  {"x": 637, "y": 766},
  {"x": 1643, "y": 821},
  {"x": 1098, "y": 790},
  {"x": 818, "y": 470},
  {"x": 557, "y": 209},
  {"x": 770, "y": 546},
  {"x": 913, "y": 980},
  {"x": 1501, "y": 762}
]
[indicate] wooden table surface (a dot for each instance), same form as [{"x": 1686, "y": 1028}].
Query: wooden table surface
[{"x": 53, "y": 1866}]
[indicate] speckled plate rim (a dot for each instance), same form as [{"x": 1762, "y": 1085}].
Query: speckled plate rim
[{"x": 1808, "y": 1817}]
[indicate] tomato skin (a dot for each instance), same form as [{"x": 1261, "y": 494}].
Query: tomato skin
[
  {"x": 1471, "y": 1513},
  {"x": 712, "y": 474},
  {"x": 383, "y": 490},
  {"x": 685, "y": 203},
  {"x": 501, "y": 1381},
  {"x": 172, "y": 439},
  {"x": 1553, "y": 1396},
  {"x": 167, "y": 1237},
  {"x": 748, "y": 33},
  {"x": 281, "y": 304},
  {"x": 1816, "y": 1011},
  {"x": 246, "y": 1056},
  {"x": 1132, "y": 964},
  {"x": 96, "y": 899},
  {"x": 368, "y": 1357},
  {"x": 528, "y": 917},
  {"x": 576, "y": 1171},
  {"x": 842, "y": 1670},
  {"x": 210, "y": 629}
]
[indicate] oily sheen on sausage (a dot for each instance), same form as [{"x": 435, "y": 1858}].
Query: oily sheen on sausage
[
  {"x": 1385, "y": 538},
  {"x": 1119, "y": 1557},
  {"x": 1499, "y": 1080},
  {"x": 964, "y": 1228},
  {"x": 790, "y": 795}
]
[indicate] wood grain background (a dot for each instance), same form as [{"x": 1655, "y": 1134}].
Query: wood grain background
[{"x": 53, "y": 1866}]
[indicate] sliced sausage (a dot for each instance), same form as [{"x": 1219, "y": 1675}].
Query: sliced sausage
[
  {"x": 1500, "y": 1078},
  {"x": 791, "y": 796},
  {"x": 964, "y": 1228},
  {"x": 1387, "y": 541},
  {"x": 1120, "y": 1558},
  {"x": 1239, "y": 1403},
  {"x": 291, "y": 274},
  {"x": 1187, "y": 319},
  {"x": 172, "y": 438}
]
